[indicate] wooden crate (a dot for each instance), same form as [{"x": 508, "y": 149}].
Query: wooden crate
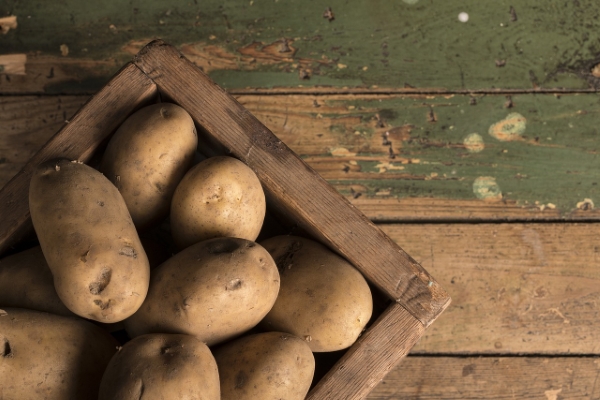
[{"x": 294, "y": 191}]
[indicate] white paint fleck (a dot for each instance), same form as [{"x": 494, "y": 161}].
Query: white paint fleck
[
  {"x": 411, "y": 1},
  {"x": 463, "y": 17},
  {"x": 486, "y": 188},
  {"x": 474, "y": 143},
  {"x": 510, "y": 128},
  {"x": 586, "y": 204}
]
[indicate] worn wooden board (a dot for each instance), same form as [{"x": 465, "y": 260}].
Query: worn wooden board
[
  {"x": 439, "y": 171},
  {"x": 75, "y": 46},
  {"x": 77, "y": 140},
  {"x": 516, "y": 288},
  {"x": 457, "y": 378}
]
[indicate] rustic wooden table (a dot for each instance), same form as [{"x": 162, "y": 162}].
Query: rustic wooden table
[{"x": 465, "y": 129}]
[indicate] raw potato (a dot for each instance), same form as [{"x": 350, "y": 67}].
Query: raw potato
[
  {"x": 323, "y": 298},
  {"x": 219, "y": 197},
  {"x": 147, "y": 157},
  {"x": 266, "y": 366},
  {"x": 26, "y": 282},
  {"x": 161, "y": 367},
  {"x": 214, "y": 290},
  {"x": 45, "y": 356},
  {"x": 99, "y": 266}
]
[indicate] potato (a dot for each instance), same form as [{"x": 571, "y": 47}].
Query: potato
[
  {"x": 162, "y": 367},
  {"x": 215, "y": 290},
  {"x": 147, "y": 157},
  {"x": 266, "y": 366},
  {"x": 323, "y": 298},
  {"x": 45, "y": 356},
  {"x": 219, "y": 197},
  {"x": 26, "y": 282},
  {"x": 100, "y": 269}
]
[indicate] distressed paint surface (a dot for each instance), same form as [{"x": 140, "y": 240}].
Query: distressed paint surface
[
  {"x": 393, "y": 154},
  {"x": 399, "y": 147},
  {"x": 287, "y": 43}
]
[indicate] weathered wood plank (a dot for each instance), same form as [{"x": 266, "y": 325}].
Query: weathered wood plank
[
  {"x": 494, "y": 378},
  {"x": 516, "y": 288},
  {"x": 292, "y": 188},
  {"x": 545, "y": 173},
  {"x": 128, "y": 90},
  {"x": 76, "y": 46}
]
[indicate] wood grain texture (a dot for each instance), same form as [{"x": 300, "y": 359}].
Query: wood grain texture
[
  {"x": 375, "y": 353},
  {"x": 458, "y": 378},
  {"x": 307, "y": 198},
  {"x": 516, "y": 288},
  {"x": 27, "y": 123},
  {"x": 433, "y": 173},
  {"x": 77, "y": 140},
  {"x": 279, "y": 43}
]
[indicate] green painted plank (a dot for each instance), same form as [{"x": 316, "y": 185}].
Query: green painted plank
[
  {"x": 265, "y": 43},
  {"x": 542, "y": 152},
  {"x": 547, "y": 171}
]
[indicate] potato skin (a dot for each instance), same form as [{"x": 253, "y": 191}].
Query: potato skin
[
  {"x": 323, "y": 298},
  {"x": 99, "y": 266},
  {"x": 45, "y": 356},
  {"x": 161, "y": 366},
  {"x": 219, "y": 197},
  {"x": 147, "y": 157},
  {"x": 267, "y": 366},
  {"x": 214, "y": 290},
  {"x": 26, "y": 282}
]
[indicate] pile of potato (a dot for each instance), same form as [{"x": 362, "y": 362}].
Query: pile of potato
[{"x": 223, "y": 318}]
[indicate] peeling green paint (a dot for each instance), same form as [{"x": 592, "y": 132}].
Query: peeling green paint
[
  {"x": 384, "y": 43},
  {"x": 510, "y": 128},
  {"x": 486, "y": 188},
  {"x": 556, "y": 162}
]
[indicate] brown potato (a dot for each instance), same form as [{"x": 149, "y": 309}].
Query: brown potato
[
  {"x": 323, "y": 298},
  {"x": 219, "y": 197},
  {"x": 266, "y": 366},
  {"x": 45, "y": 356},
  {"x": 99, "y": 266},
  {"x": 163, "y": 367},
  {"x": 214, "y": 290},
  {"x": 26, "y": 282},
  {"x": 147, "y": 157}
]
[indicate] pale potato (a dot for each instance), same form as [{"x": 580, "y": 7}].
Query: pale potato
[
  {"x": 147, "y": 157},
  {"x": 219, "y": 197},
  {"x": 323, "y": 298},
  {"x": 26, "y": 282},
  {"x": 46, "y": 356},
  {"x": 99, "y": 266},
  {"x": 266, "y": 366},
  {"x": 161, "y": 366},
  {"x": 214, "y": 290}
]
